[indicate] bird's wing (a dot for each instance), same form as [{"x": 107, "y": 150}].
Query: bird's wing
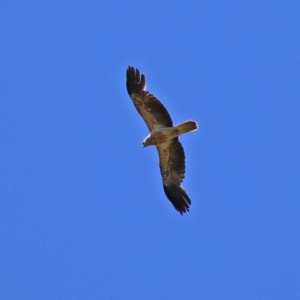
[
  {"x": 172, "y": 168},
  {"x": 149, "y": 107}
]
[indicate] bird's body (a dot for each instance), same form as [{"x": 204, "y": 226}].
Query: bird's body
[{"x": 164, "y": 136}]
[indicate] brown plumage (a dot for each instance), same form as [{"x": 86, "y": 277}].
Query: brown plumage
[{"x": 164, "y": 136}]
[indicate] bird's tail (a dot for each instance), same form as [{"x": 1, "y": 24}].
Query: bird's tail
[{"x": 186, "y": 127}]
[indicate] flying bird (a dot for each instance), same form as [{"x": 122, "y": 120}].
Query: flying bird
[{"x": 164, "y": 136}]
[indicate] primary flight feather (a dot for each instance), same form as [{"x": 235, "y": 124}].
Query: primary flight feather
[{"x": 164, "y": 136}]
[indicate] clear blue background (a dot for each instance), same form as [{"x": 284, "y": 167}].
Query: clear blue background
[{"x": 82, "y": 211}]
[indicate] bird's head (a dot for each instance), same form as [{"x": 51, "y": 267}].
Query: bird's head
[{"x": 147, "y": 141}]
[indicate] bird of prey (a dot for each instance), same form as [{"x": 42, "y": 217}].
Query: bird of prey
[{"x": 164, "y": 136}]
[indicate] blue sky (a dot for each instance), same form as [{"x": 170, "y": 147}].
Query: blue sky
[{"x": 83, "y": 213}]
